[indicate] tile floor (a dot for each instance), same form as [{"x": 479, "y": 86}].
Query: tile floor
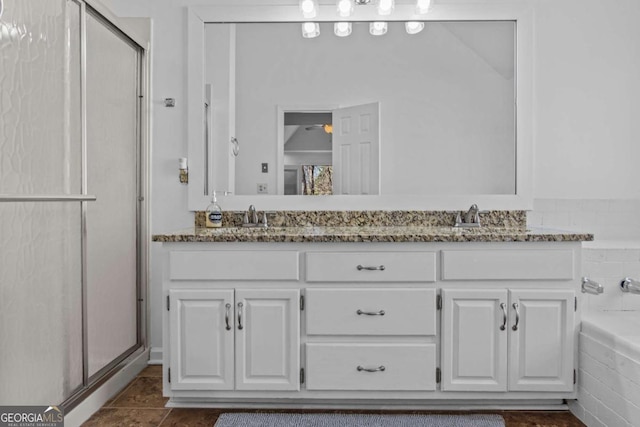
[{"x": 141, "y": 404}]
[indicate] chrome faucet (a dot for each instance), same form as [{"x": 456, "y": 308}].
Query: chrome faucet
[
  {"x": 251, "y": 218},
  {"x": 630, "y": 285},
  {"x": 591, "y": 286},
  {"x": 471, "y": 218},
  {"x": 473, "y": 215}
]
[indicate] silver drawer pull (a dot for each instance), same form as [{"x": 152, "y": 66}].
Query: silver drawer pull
[
  {"x": 370, "y": 268},
  {"x": 370, "y": 313},
  {"x": 380, "y": 368},
  {"x": 226, "y": 316},
  {"x": 503, "y": 306},
  {"x": 240, "y": 305},
  {"x": 515, "y": 307}
]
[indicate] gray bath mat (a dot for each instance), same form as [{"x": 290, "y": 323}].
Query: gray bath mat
[{"x": 241, "y": 419}]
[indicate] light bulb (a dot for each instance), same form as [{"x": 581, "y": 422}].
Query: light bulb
[
  {"x": 342, "y": 29},
  {"x": 385, "y": 7},
  {"x": 422, "y": 6},
  {"x": 414, "y": 27},
  {"x": 310, "y": 30},
  {"x": 308, "y": 8},
  {"x": 378, "y": 28},
  {"x": 345, "y": 8}
]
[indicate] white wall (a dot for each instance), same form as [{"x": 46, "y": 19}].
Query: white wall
[
  {"x": 586, "y": 111},
  {"x": 587, "y": 99}
]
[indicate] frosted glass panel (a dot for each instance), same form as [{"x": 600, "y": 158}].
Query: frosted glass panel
[
  {"x": 40, "y": 302},
  {"x": 40, "y": 243},
  {"x": 111, "y": 221},
  {"x": 39, "y": 97}
]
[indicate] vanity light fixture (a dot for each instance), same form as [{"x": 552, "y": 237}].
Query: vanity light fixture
[
  {"x": 423, "y": 6},
  {"x": 309, "y": 8},
  {"x": 310, "y": 30},
  {"x": 414, "y": 27},
  {"x": 378, "y": 28},
  {"x": 342, "y": 29},
  {"x": 345, "y": 8},
  {"x": 385, "y": 7}
]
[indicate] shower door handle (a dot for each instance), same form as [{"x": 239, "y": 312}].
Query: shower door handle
[{"x": 47, "y": 198}]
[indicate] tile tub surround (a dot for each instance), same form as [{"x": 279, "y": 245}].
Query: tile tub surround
[
  {"x": 275, "y": 234},
  {"x": 608, "y": 266},
  {"x": 503, "y": 219},
  {"x": 609, "y": 373}
]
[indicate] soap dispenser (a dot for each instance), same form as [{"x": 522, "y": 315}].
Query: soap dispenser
[{"x": 213, "y": 214}]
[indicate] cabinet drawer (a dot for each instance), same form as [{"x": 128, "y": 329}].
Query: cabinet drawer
[
  {"x": 344, "y": 366},
  {"x": 371, "y": 267},
  {"x": 233, "y": 265},
  {"x": 508, "y": 265},
  {"x": 406, "y": 311}
]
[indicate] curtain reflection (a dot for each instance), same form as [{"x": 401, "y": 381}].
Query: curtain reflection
[{"x": 317, "y": 180}]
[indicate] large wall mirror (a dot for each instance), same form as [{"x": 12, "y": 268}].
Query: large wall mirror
[{"x": 432, "y": 120}]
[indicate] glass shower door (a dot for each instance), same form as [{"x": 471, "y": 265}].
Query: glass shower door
[
  {"x": 70, "y": 306},
  {"x": 40, "y": 202},
  {"x": 113, "y": 78}
]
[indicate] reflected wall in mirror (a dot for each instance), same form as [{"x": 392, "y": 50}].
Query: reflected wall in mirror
[{"x": 445, "y": 106}]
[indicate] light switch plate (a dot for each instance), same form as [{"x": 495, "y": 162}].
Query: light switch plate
[{"x": 265, "y": 168}]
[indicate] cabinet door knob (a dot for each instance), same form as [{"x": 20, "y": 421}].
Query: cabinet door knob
[
  {"x": 380, "y": 368},
  {"x": 515, "y": 307},
  {"x": 503, "y": 306},
  {"x": 371, "y": 268},
  {"x": 370, "y": 313},
  {"x": 227, "y": 315},
  {"x": 240, "y": 305}
]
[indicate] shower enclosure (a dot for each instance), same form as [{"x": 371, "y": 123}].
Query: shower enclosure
[{"x": 72, "y": 228}]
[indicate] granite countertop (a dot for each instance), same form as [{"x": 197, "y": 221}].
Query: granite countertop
[{"x": 412, "y": 233}]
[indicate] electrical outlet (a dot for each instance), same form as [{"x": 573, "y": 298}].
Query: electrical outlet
[
  {"x": 262, "y": 189},
  {"x": 265, "y": 168}
]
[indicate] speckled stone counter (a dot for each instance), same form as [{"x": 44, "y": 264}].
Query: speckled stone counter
[
  {"x": 371, "y": 226},
  {"x": 370, "y": 234},
  {"x": 507, "y": 219}
]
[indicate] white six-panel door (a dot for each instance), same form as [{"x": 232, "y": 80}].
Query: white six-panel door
[
  {"x": 267, "y": 339},
  {"x": 202, "y": 354},
  {"x": 541, "y": 347},
  {"x": 474, "y": 343},
  {"x": 356, "y": 146}
]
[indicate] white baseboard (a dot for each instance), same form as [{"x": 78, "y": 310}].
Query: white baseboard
[
  {"x": 106, "y": 391},
  {"x": 155, "y": 356}
]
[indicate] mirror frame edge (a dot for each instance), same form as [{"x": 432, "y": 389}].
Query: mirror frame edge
[{"x": 474, "y": 10}]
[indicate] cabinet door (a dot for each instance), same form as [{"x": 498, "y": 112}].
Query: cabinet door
[
  {"x": 267, "y": 339},
  {"x": 541, "y": 353},
  {"x": 474, "y": 340},
  {"x": 201, "y": 344}
]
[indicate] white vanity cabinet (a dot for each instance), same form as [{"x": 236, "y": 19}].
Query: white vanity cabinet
[
  {"x": 508, "y": 340},
  {"x": 326, "y": 323},
  {"x": 202, "y": 335},
  {"x": 246, "y": 339}
]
